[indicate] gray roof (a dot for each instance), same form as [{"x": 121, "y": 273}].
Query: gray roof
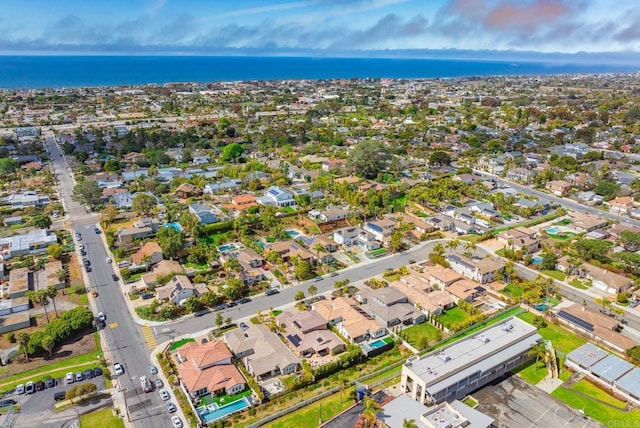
[
  {"x": 587, "y": 355},
  {"x": 630, "y": 382},
  {"x": 479, "y": 352},
  {"x": 611, "y": 368}
]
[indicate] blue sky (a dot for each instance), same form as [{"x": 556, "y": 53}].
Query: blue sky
[{"x": 326, "y": 26}]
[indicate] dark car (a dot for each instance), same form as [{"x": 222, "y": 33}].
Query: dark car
[
  {"x": 146, "y": 296},
  {"x": 59, "y": 396},
  {"x": 114, "y": 276},
  {"x": 96, "y": 230},
  {"x": 88, "y": 374},
  {"x": 243, "y": 326},
  {"x": 83, "y": 253},
  {"x": 8, "y": 402},
  {"x": 231, "y": 304},
  {"x": 50, "y": 382},
  {"x": 97, "y": 372},
  {"x": 86, "y": 262},
  {"x": 244, "y": 300},
  {"x": 220, "y": 307},
  {"x": 271, "y": 292},
  {"x": 201, "y": 313},
  {"x": 88, "y": 268},
  {"x": 40, "y": 386}
]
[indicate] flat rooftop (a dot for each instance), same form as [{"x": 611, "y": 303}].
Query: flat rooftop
[{"x": 477, "y": 352}]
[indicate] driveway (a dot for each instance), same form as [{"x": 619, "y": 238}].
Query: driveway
[{"x": 514, "y": 403}]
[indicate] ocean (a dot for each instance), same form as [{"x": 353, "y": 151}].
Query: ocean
[{"x": 78, "y": 71}]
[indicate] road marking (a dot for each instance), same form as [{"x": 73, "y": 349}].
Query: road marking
[
  {"x": 113, "y": 325},
  {"x": 149, "y": 338}
]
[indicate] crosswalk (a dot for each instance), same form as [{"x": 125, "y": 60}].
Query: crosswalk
[{"x": 149, "y": 338}]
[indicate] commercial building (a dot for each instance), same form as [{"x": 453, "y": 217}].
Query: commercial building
[{"x": 454, "y": 371}]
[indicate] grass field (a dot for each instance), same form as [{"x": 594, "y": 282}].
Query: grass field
[
  {"x": 101, "y": 419},
  {"x": 603, "y": 413},
  {"x": 181, "y": 342},
  {"x": 533, "y": 372},
  {"x": 578, "y": 284},
  {"x": 453, "y": 315},
  {"x": 310, "y": 416},
  {"x": 586, "y": 387},
  {"x": 414, "y": 334},
  {"x": 512, "y": 291},
  {"x": 562, "y": 340},
  {"x": 555, "y": 274}
]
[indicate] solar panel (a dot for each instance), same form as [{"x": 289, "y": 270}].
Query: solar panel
[
  {"x": 294, "y": 339},
  {"x": 577, "y": 321}
]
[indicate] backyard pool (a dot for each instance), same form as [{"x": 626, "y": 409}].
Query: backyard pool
[
  {"x": 377, "y": 344},
  {"x": 175, "y": 226},
  {"x": 212, "y": 412},
  {"x": 553, "y": 230},
  {"x": 536, "y": 260},
  {"x": 228, "y": 247},
  {"x": 292, "y": 233}
]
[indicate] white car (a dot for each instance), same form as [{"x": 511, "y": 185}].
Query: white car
[
  {"x": 20, "y": 389},
  {"x": 176, "y": 421},
  {"x": 164, "y": 394},
  {"x": 118, "y": 369},
  {"x": 101, "y": 317},
  {"x": 69, "y": 378},
  {"x": 108, "y": 259}
]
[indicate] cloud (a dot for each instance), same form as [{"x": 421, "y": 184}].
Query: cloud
[{"x": 390, "y": 28}]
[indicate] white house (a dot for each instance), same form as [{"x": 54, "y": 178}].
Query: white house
[{"x": 278, "y": 197}]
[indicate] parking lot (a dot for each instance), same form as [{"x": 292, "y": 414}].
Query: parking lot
[{"x": 514, "y": 403}]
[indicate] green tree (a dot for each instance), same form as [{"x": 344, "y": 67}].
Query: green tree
[
  {"x": 231, "y": 152},
  {"x": 409, "y": 423},
  {"x": 48, "y": 343},
  {"x": 299, "y": 295},
  {"x": 55, "y": 251},
  {"x": 607, "y": 189},
  {"x": 23, "y": 341},
  {"x": 368, "y": 158},
  {"x": 41, "y": 221},
  {"x": 51, "y": 292},
  {"x": 8, "y": 165},
  {"x": 439, "y": 158},
  {"x": 143, "y": 204},
  {"x": 303, "y": 270},
  {"x": 109, "y": 212},
  {"x": 38, "y": 297},
  {"x": 87, "y": 192},
  {"x": 112, "y": 165},
  {"x": 395, "y": 243},
  {"x": 312, "y": 290},
  {"x": 171, "y": 241},
  {"x": 549, "y": 261},
  {"x": 219, "y": 320},
  {"x": 192, "y": 304}
]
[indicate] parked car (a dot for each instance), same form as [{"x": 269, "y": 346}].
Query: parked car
[
  {"x": 243, "y": 326},
  {"x": 40, "y": 386},
  {"x": 317, "y": 278},
  {"x": 176, "y": 421},
  {"x": 164, "y": 394},
  {"x": 101, "y": 317},
  {"x": 30, "y": 388},
  {"x": 79, "y": 376},
  {"x": 8, "y": 402},
  {"x": 171, "y": 407},
  {"x": 97, "y": 230},
  {"x": 88, "y": 374},
  {"x": 231, "y": 304},
  {"x": 153, "y": 369},
  {"x": 108, "y": 259},
  {"x": 159, "y": 383},
  {"x": 81, "y": 247},
  {"x": 146, "y": 296},
  {"x": 271, "y": 292},
  {"x": 69, "y": 378},
  {"x": 50, "y": 382},
  {"x": 145, "y": 384},
  {"x": 20, "y": 389},
  {"x": 114, "y": 276},
  {"x": 118, "y": 369},
  {"x": 332, "y": 274},
  {"x": 59, "y": 396},
  {"x": 244, "y": 300},
  {"x": 88, "y": 269},
  {"x": 97, "y": 371}
]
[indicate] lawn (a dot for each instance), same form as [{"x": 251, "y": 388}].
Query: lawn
[
  {"x": 586, "y": 387},
  {"x": 555, "y": 274},
  {"x": 181, "y": 342},
  {"x": 221, "y": 400},
  {"x": 563, "y": 340},
  {"x": 215, "y": 238},
  {"x": 532, "y": 372},
  {"x": 512, "y": 291},
  {"x": 414, "y": 334},
  {"x": 309, "y": 416},
  {"x": 453, "y": 315},
  {"x": 101, "y": 419},
  {"x": 578, "y": 284},
  {"x": 603, "y": 413}
]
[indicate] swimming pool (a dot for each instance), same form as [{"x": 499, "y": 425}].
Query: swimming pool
[
  {"x": 292, "y": 233},
  {"x": 553, "y": 230},
  {"x": 213, "y": 413},
  {"x": 228, "y": 247},
  {"x": 537, "y": 260},
  {"x": 175, "y": 226},
  {"x": 377, "y": 344}
]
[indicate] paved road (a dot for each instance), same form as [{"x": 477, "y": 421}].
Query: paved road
[
  {"x": 564, "y": 202},
  {"x": 124, "y": 340}
]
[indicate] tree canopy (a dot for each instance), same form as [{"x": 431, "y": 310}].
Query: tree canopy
[
  {"x": 232, "y": 152},
  {"x": 143, "y": 204},
  {"x": 87, "y": 192},
  {"x": 41, "y": 221},
  {"x": 8, "y": 165},
  {"x": 368, "y": 158},
  {"x": 439, "y": 158},
  {"x": 171, "y": 241}
]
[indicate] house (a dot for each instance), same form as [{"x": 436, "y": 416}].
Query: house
[
  {"x": 276, "y": 196},
  {"x": 200, "y": 159},
  {"x": 520, "y": 238},
  {"x": 586, "y": 222},
  {"x": 208, "y": 368},
  {"x": 620, "y": 205},
  {"x": 605, "y": 280},
  {"x": 249, "y": 259},
  {"x": 333, "y": 164},
  {"x": 33, "y": 242},
  {"x": 225, "y": 184},
  {"x": 389, "y": 306},
  {"x": 580, "y": 179},
  {"x": 346, "y": 236},
  {"x": 381, "y": 229},
  {"x": 522, "y": 175},
  {"x": 262, "y": 352},
  {"x": 162, "y": 269},
  {"x": 466, "y": 290},
  {"x": 241, "y": 203},
  {"x": 187, "y": 190},
  {"x": 482, "y": 271},
  {"x": 539, "y": 205},
  {"x": 150, "y": 254},
  {"x": 27, "y": 198},
  {"x": 558, "y": 187},
  {"x": 595, "y": 325},
  {"x": 327, "y": 243},
  {"x": 350, "y": 321},
  {"x": 128, "y": 235},
  {"x": 331, "y": 214},
  {"x": 13, "y": 221},
  {"x": 372, "y": 185},
  {"x": 307, "y": 334},
  {"x": 290, "y": 249},
  {"x": 204, "y": 214},
  {"x": 420, "y": 293},
  {"x": 179, "y": 289},
  {"x": 441, "y": 277}
]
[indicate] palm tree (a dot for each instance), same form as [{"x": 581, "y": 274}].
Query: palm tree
[
  {"x": 470, "y": 246},
  {"x": 371, "y": 409},
  {"x": 603, "y": 301},
  {"x": 52, "y": 293},
  {"x": 146, "y": 259},
  {"x": 453, "y": 244},
  {"x": 438, "y": 248},
  {"x": 38, "y": 297},
  {"x": 23, "y": 340},
  {"x": 318, "y": 247},
  {"x": 61, "y": 275},
  {"x": 540, "y": 351},
  {"x": 409, "y": 423}
]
